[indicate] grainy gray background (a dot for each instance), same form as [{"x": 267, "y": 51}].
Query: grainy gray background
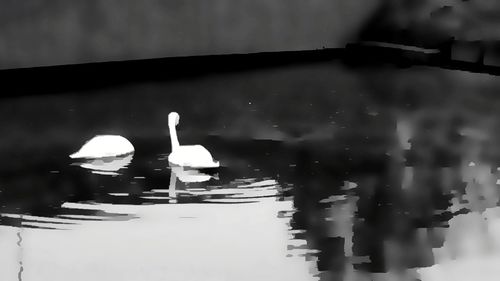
[{"x": 42, "y": 32}]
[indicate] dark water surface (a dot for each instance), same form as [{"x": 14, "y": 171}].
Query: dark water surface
[{"x": 329, "y": 173}]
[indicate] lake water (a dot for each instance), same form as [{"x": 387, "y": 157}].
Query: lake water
[{"x": 329, "y": 173}]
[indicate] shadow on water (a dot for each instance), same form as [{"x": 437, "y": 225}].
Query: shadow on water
[{"x": 389, "y": 180}]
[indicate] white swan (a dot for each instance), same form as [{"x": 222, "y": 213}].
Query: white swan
[
  {"x": 104, "y": 146},
  {"x": 193, "y": 156}
]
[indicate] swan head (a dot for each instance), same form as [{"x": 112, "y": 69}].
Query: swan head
[{"x": 173, "y": 118}]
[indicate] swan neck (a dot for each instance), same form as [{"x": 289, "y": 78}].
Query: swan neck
[{"x": 173, "y": 137}]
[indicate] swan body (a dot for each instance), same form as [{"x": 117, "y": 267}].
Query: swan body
[
  {"x": 193, "y": 156},
  {"x": 104, "y": 146}
]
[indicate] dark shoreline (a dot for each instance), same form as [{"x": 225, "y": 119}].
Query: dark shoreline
[{"x": 81, "y": 77}]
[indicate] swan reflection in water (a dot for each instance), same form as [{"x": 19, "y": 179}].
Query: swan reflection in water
[
  {"x": 237, "y": 191},
  {"x": 185, "y": 175},
  {"x": 108, "y": 165}
]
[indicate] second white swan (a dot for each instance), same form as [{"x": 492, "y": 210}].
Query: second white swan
[{"x": 193, "y": 156}]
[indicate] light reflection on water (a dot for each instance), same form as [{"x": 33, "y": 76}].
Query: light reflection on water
[{"x": 182, "y": 225}]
